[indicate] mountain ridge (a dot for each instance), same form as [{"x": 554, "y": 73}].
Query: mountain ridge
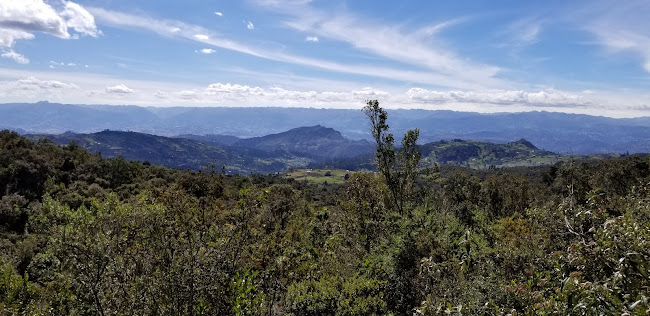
[
  {"x": 295, "y": 148},
  {"x": 557, "y": 132},
  {"x": 313, "y": 141}
]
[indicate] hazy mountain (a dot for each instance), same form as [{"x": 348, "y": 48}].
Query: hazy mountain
[
  {"x": 483, "y": 155},
  {"x": 558, "y": 132},
  {"x": 179, "y": 152},
  {"x": 315, "y": 141},
  {"x": 296, "y": 148},
  {"x": 272, "y": 153},
  {"x": 212, "y": 138},
  {"x": 460, "y": 152}
]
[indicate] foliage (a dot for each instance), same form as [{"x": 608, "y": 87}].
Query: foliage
[{"x": 85, "y": 235}]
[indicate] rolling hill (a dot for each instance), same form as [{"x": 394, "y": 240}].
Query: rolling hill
[
  {"x": 482, "y": 155},
  {"x": 317, "y": 142},
  {"x": 557, "y": 132},
  {"x": 179, "y": 152},
  {"x": 311, "y": 147}
]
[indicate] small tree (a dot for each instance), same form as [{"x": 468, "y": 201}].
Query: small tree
[{"x": 399, "y": 168}]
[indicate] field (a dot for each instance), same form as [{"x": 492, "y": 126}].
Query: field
[{"x": 319, "y": 176}]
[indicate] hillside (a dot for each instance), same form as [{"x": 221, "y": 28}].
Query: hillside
[
  {"x": 557, "y": 132},
  {"x": 178, "y": 152},
  {"x": 482, "y": 155},
  {"x": 473, "y": 154},
  {"x": 273, "y": 153},
  {"x": 313, "y": 147},
  {"x": 81, "y": 234},
  {"x": 314, "y": 141}
]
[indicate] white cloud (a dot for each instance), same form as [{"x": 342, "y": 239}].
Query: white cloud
[
  {"x": 369, "y": 92},
  {"x": 54, "y": 64},
  {"x": 88, "y": 88},
  {"x": 175, "y": 29},
  {"x": 202, "y": 37},
  {"x": 30, "y": 89},
  {"x": 250, "y": 25},
  {"x": 188, "y": 95},
  {"x": 19, "y": 19},
  {"x": 79, "y": 19},
  {"x": 32, "y": 83},
  {"x": 218, "y": 13},
  {"x": 311, "y": 39},
  {"x": 15, "y": 57},
  {"x": 161, "y": 94},
  {"x": 32, "y": 15},
  {"x": 8, "y": 36},
  {"x": 119, "y": 89},
  {"x": 542, "y": 98},
  {"x": 228, "y": 89},
  {"x": 277, "y": 95},
  {"x": 206, "y": 51}
]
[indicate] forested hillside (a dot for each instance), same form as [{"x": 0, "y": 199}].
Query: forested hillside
[
  {"x": 315, "y": 146},
  {"x": 81, "y": 234},
  {"x": 179, "y": 152},
  {"x": 558, "y": 132}
]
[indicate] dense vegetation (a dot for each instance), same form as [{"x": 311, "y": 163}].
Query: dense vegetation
[
  {"x": 81, "y": 234},
  {"x": 179, "y": 152},
  {"x": 313, "y": 147},
  {"x": 484, "y": 155}
]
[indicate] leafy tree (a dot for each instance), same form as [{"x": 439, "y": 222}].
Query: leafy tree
[{"x": 399, "y": 168}]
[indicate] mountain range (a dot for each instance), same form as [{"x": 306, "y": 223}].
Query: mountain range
[
  {"x": 557, "y": 132},
  {"x": 314, "y": 146}
]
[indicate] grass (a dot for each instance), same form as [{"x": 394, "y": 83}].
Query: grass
[{"x": 319, "y": 176}]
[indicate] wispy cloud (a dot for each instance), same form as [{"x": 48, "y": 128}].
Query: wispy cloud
[
  {"x": 311, "y": 39},
  {"x": 622, "y": 28},
  {"x": 523, "y": 32},
  {"x": 462, "y": 78},
  {"x": 394, "y": 42},
  {"x": 54, "y": 64},
  {"x": 15, "y": 57}
]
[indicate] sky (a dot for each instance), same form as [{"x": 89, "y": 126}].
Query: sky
[{"x": 590, "y": 57}]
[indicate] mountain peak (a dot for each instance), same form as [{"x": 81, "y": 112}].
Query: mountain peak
[
  {"x": 316, "y": 131},
  {"x": 526, "y": 143},
  {"x": 312, "y": 140}
]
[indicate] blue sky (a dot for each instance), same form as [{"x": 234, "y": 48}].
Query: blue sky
[{"x": 588, "y": 57}]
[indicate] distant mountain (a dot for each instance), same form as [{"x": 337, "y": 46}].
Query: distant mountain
[
  {"x": 272, "y": 153},
  {"x": 317, "y": 142},
  {"x": 212, "y": 139},
  {"x": 179, "y": 152},
  {"x": 557, "y": 132},
  {"x": 482, "y": 155},
  {"x": 474, "y": 154},
  {"x": 314, "y": 146}
]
